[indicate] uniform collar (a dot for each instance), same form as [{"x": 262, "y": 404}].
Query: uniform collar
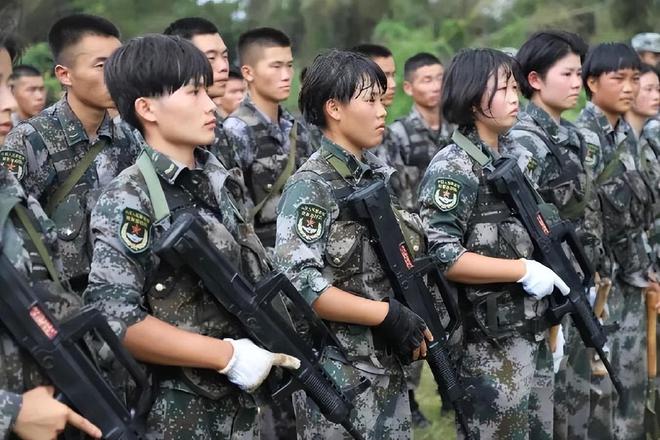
[
  {"x": 545, "y": 122},
  {"x": 168, "y": 169},
  {"x": 74, "y": 131},
  {"x": 344, "y": 162},
  {"x": 284, "y": 116},
  {"x": 603, "y": 122},
  {"x": 473, "y": 136}
]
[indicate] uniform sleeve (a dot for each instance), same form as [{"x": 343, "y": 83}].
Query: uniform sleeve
[
  {"x": 447, "y": 197},
  {"x": 240, "y": 137},
  {"x": 10, "y": 405},
  {"x": 27, "y": 161},
  {"x": 531, "y": 153},
  {"x": 305, "y": 213},
  {"x": 122, "y": 258}
]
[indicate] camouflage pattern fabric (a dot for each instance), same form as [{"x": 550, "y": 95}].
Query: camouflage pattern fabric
[
  {"x": 18, "y": 373},
  {"x": 263, "y": 149},
  {"x": 411, "y": 144},
  {"x": 318, "y": 245},
  {"x": 627, "y": 213},
  {"x": 562, "y": 179},
  {"x": 128, "y": 281},
  {"x": 509, "y": 385},
  {"x": 42, "y": 152}
]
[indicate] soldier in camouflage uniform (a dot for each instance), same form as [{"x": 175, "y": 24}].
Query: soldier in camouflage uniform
[
  {"x": 553, "y": 155},
  {"x": 27, "y": 408},
  {"x": 206, "y": 37},
  {"x": 73, "y": 137},
  {"x": 647, "y": 45},
  {"x": 173, "y": 323},
  {"x": 327, "y": 253},
  {"x": 479, "y": 243},
  {"x": 611, "y": 78},
  {"x": 270, "y": 143}
]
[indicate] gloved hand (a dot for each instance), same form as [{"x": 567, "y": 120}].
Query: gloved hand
[
  {"x": 249, "y": 365},
  {"x": 539, "y": 281},
  {"x": 403, "y": 329},
  {"x": 558, "y": 354}
]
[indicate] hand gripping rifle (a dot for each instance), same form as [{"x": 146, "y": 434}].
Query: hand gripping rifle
[
  {"x": 520, "y": 197},
  {"x": 186, "y": 243},
  {"x": 59, "y": 350},
  {"x": 373, "y": 206}
]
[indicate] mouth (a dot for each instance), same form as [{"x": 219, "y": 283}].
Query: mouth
[
  {"x": 5, "y": 127},
  {"x": 210, "y": 124}
]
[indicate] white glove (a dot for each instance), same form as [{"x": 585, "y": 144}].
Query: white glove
[
  {"x": 249, "y": 365},
  {"x": 558, "y": 354},
  {"x": 539, "y": 281}
]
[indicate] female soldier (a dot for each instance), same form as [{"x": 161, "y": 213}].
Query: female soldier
[
  {"x": 328, "y": 255},
  {"x": 480, "y": 244}
]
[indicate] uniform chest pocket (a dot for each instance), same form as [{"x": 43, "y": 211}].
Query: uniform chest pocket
[
  {"x": 616, "y": 196},
  {"x": 345, "y": 246},
  {"x": 264, "y": 173},
  {"x": 70, "y": 217}
]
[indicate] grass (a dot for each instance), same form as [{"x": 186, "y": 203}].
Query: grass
[{"x": 442, "y": 425}]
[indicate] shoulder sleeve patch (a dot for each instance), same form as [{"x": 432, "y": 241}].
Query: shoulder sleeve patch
[
  {"x": 14, "y": 162},
  {"x": 446, "y": 194},
  {"x": 135, "y": 230},
  {"x": 592, "y": 156},
  {"x": 310, "y": 222}
]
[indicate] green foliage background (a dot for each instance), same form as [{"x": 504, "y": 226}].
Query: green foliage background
[{"x": 405, "y": 26}]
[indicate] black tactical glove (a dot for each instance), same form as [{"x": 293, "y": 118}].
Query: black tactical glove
[{"x": 402, "y": 329}]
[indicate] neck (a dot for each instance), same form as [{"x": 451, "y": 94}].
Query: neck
[
  {"x": 488, "y": 136},
  {"x": 636, "y": 121},
  {"x": 22, "y": 116},
  {"x": 341, "y": 140},
  {"x": 270, "y": 108},
  {"x": 91, "y": 118},
  {"x": 554, "y": 113},
  {"x": 612, "y": 117},
  {"x": 431, "y": 116},
  {"x": 182, "y": 154}
]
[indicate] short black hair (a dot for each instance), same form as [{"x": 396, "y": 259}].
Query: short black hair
[
  {"x": 608, "y": 57},
  {"x": 647, "y": 68},
  {"x": 71, "y": 29},
  {"x": 24, "y": 70},
  {"x": 150, "y": 66},
  {"x": 263, "y": 37},
  {"x": 11, "y": 44},
  {"x": 372, "y": 50},
  {"x": 235, "y": 74},
  {"x": 189, "y": 27},
  {"x": 542, "y": 50},
  {"x": 466, "y": 82},
  {"x": 336, "y": 74},
  {"x": 416, "y": 61}
]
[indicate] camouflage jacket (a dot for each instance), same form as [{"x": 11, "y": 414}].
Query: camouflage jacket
[
  {"x": 263, "y": 149},
  {"x": 626, "y": 199},
  {"x": 555, "y": 156},
  {"x": 128, "y": 281},
  {"x": 411, "y": 144},
  {"x": 319, "y": 244},
  {"x": 461, "y": 213},
  {"x": 44, "y": 150},
  {"x": 18, "y": 373}
]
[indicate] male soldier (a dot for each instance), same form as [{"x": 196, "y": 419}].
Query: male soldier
[
  {"x": 553, "y": 155},
  {"x": 203, "y": 370},
  {"x": 66, "y": 154},
  {"x": 647, "y": 46},
  {"x": 271, "y": 144},
  {"x": 206, "y": 37},
  {"x": 27, "y": 84},
  {"x": 329, "y": 256},
  {"x": 413, "y": 140},
  {"x": 611, "y": 79},
  {"x": 234, "y": 94},
  {"x": 27, "y": 408},
  {"x": 383, "y": 57}
]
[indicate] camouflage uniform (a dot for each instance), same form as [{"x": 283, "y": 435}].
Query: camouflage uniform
[
  {"x": 18, "y": 373},
  {"x": 263, "y": 149},
  {"x": 320, "y": 244},
  {"x": 411, "y": 144},
  {"x": 128, "y": 281},
  {"x": 555, "y": 156},
  {"x": 44, "y": 150},
  {"x": 462, "y": 214},
  {"x": 626, "y": 203},
  {"x": 649, "y": 147}
]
